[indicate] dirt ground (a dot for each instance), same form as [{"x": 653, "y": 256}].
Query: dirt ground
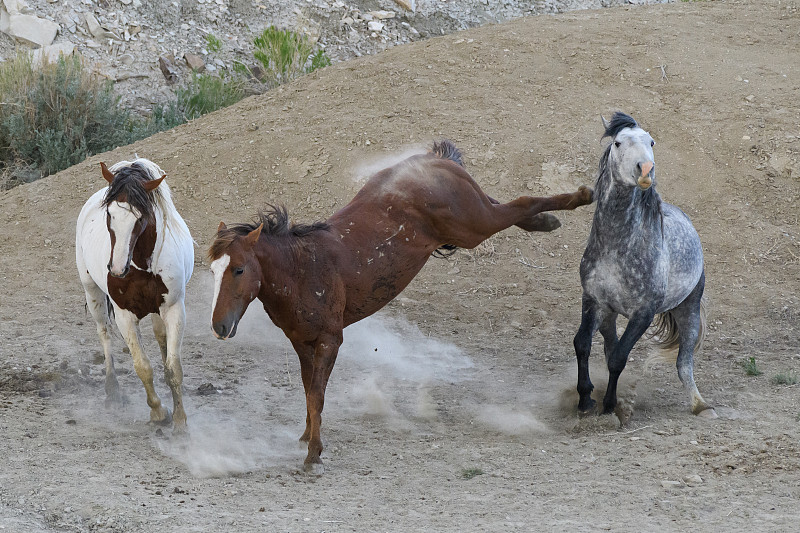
[{"x": 452, "y": 409}]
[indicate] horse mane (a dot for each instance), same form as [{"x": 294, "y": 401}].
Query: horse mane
[
  {"x": 128, "y": 178},
  {"x": 619, "y": 121},
  {"x": 276, "y": 224},
  {"x": 445, "y": 149}
]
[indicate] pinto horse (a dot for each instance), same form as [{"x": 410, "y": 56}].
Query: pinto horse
[
  {"x": 643, "y": 261},
  {"x": 135, "y": 255},
  {"x": 314, "y": 280}
]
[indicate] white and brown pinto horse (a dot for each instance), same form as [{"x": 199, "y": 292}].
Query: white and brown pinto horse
[{"x": 135, "y": 255}]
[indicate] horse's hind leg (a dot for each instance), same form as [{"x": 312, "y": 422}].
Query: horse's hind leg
[
  {"x": 690, "y": 321},
  {"x": 97, "y": 302},
  {"x": 129, "y": 327}
]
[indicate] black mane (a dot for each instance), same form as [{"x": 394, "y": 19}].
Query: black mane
[
  {"x": 619, "y": 121},
  {"x": 276, "y": 223},
  {"x": 447, "y": 150},
  {"x": 129, "y": 180}
]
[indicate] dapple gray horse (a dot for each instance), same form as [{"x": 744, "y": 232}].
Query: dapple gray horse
[{"x": 643, "y": 261}]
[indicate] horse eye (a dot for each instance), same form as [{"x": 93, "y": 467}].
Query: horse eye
[
  {"x": 652, "y": 143},
  {"x": 238, "y": 271},
  {"x": 617, "y": 143}
]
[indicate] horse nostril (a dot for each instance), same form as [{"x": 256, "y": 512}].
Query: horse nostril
[{"x": 220, "y": 329}]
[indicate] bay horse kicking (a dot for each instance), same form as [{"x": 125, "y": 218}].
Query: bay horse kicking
[
  {"x": 314, "y": 280},
  {"x": 643, "y": 261},
  {"x": 135, "y": 255}
]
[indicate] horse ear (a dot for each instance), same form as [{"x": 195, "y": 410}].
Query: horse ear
[
  {"x": 605, "y": 122},
  {"x": 252, "y": 237},
  {"x": 221, "y": 227},
  {"x": 106, "y": 173},
  {"x": 153, "y": 184}
]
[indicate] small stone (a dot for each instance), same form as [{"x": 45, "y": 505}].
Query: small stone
[
  {"x": 383, "y": 14},
  {"x": 375, "y": 26},
  {"x": 671, "y": 484},
  {"x": 693, "y": 480},
  {"x": 126, "y": 59}
]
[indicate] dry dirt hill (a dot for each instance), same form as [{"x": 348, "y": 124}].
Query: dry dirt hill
[{"x": 471, "y": 370}]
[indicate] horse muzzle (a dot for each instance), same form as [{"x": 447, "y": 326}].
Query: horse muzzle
[
  {"x": 119, "y": 274},
  {"x": 225, "y": 330},
  {"x": 645, "y": 182}
]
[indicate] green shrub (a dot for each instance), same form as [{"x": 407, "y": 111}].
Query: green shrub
[
  {"x": 285, "y": 55},
  {"x": 56, "y": 114},
  {"x": 213, "y": 43},
  {"x": 206, "y": 93},
  {"x": 750, "y": 367},
  {"x": 785, "y": 378}
]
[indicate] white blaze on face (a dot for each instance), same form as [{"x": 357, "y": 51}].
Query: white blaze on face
[
  {"x": 123, "y": 219},
  {"x": 218, "y": 267}
]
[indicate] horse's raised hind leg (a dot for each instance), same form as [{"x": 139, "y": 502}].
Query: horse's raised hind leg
[
  {"x": 175, "y": 320},
  {"x": 637, "y": 325},
  {"x": 97, "y": 302},
  {"x": 536, "y": 220},
  {"x": 583, "y": 347},
  {"x": 129, "y": 327},
  {"x": 689, "y": 320},
  {"x": 305, "y": 353},
  {"x": 325, "y": 353}
]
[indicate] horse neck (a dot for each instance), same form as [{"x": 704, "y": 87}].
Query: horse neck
[
  {"x": 280, "y": 258},
  {"x": 625, "y": 211}
]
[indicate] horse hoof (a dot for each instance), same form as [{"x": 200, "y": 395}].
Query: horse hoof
[
  {"x": 114, "y": 401},
  {"x": 164, "y": 420},
  {"x": 708, "y": 413},
  {"x": 588, "y": 194},
  {"x": 586, "y": 408},
  {"x": 314, "y": 469}
]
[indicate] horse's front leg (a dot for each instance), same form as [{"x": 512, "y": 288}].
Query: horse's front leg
[
  {"x": 325, "y": 353},
  {"x": 129, "y": 327},
  {"x": 583, "y": 347},
  {"x": 305, "y": 352},
  {"x": 175, "y": 321},
  {"x": 618, "y": 358}
]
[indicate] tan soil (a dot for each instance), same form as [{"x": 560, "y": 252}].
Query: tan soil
[{"x": 522, "y": 100}]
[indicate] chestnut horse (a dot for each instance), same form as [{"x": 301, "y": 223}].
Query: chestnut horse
[
  {"x": 314, "y": 280},
  {"x": 135, "y": 255}
]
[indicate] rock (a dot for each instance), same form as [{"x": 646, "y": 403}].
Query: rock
[
  {"x": 96, "y": 30},
  {"x": 168, "y": 69},
  {"x": 671, "y": 484},
  {"x": 375, "y": 26},
  {"x": 126, "y": 59},
  {"x": 26, "y": 28},
  {"x": 207, "y": 389},
  {"x": 53, "y": 52},
  {"x": 408, "y": 5},
  {"x": 383, "y": 14},
  {"x": 195, "y": 62}
]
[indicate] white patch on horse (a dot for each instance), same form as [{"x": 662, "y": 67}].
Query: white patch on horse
[
  {"x": 218, "y": 267},
  {"x": 123, "y": 219}
]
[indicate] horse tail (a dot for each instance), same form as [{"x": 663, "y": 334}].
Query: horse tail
[
  {"x": 665, "y": 332},
  {"x": 445, "y": 149}
]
